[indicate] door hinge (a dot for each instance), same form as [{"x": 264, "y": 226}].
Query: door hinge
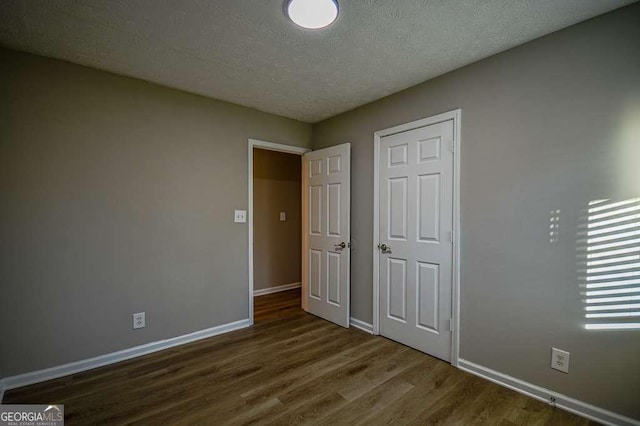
[
  {"x": 451, "y": 237},
  {"x": 451, "y": 324},
  {"x": 452, "y": 146}
]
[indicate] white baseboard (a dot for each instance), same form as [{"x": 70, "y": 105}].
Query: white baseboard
[
  {"x": 277, "y": 289},
  {"x": 566, "y": 403},
  {"x": 361, "y": 325},
  {"x": 111, "y": 358}
]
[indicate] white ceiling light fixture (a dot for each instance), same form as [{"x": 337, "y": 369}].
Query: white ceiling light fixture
[{"x": 313, "y": 14}]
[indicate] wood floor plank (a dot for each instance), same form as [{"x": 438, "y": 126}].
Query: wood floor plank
[
  {"x": 430, "y": 387},
  {"x": 289, "y": 368},
  {"x": 490, "y": 406},
  {"x": 450, "y": 407},
  {"x": 369, "y": 403}
]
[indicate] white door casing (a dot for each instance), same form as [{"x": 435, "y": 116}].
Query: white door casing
[
  {"x": 326, "y": 175},
  {"x": 416, "y": 224}
]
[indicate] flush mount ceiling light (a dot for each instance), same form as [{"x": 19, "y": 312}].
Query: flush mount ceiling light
[{"x": 312, "y": 14}]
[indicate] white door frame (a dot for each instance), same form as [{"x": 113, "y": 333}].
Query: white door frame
[
  {"x": 270, "y": 146},
  {"x": 454, "y": 115}
]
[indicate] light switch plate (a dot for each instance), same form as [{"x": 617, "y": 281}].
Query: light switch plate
[
  {"x": 240, "y": 216},
  {"x": 283, "y": 216}
]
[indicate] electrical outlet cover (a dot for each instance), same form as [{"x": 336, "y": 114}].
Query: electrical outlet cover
[
  {"x": 560, "y": 360},
  {"x": 240, "y": 216},
  {"x": 139, "y": 320}
]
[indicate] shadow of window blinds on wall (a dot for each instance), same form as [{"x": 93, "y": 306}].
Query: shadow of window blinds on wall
[{"x": 609, "y": 273}]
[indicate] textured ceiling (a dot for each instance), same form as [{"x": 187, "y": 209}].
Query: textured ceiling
[{"x": 247, "y": 52}]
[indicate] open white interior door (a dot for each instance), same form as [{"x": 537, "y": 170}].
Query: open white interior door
[{"x": 326, "y": 177}]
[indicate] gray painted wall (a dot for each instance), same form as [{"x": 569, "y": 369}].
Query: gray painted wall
[
  {"x": 277, "y": 187},
  {"x": 549, "y": 125},
  {"x": 117, "y": 196}
]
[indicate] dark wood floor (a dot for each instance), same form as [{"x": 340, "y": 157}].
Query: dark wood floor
[{"x": 289, "y": 368}]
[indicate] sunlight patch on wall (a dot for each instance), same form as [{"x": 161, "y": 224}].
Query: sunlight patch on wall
[{"x": 611, "y": 259}]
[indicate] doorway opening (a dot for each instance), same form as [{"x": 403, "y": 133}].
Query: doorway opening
[{"x": 275, "y": 224}]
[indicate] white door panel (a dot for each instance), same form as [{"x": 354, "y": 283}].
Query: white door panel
[
  {"x": 416, "y": 224},
  {"x": 326, "y": 206}
]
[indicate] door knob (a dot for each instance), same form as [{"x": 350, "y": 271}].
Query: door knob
[
  {"x": 342, "y": 245},
  {"x": 384, "y": 248}
]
